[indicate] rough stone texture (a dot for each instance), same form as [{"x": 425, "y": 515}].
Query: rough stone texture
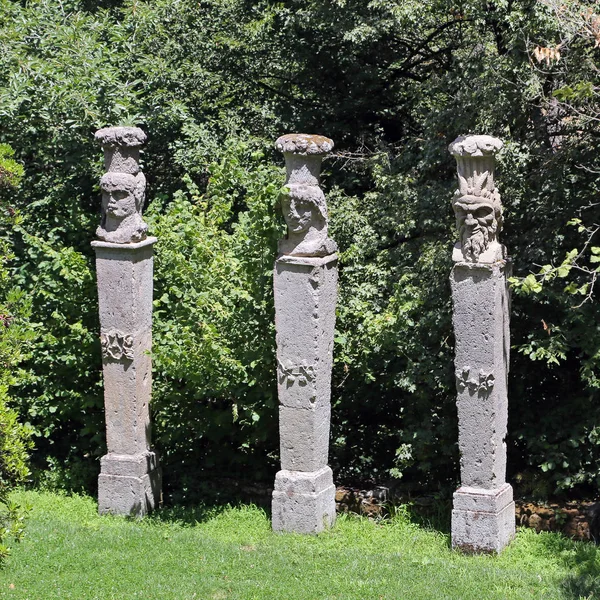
[
  {"x": 304, "y": 143},
  {"x": 480, "y": 318},
  {"x": 121, "y": 147},
  {"x": 483, "y": 520},
  {"x": 483, "y": 515},
  {"x": 305, "y": 299},
  {"x": 130, "y": 477},
  {"x": 123, "y": 186},
  {"x": 129, "y": 484},
  {"x": 125, "y": 299},
  {"x": 303, "y": 204},
  {"x": 475, "y": 145},
  {"x": 305, "y": 285},
  {"x": 576, "y": 519},
  {"x": 304, "y": 502},
  {"x": 372, "y": 503}
]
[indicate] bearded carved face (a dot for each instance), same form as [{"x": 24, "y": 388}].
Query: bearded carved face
[
  {"x": 477, "y": 223},
  {"x": 120, "y": 203}
]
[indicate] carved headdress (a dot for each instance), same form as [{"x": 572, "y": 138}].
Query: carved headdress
[{"x": 476, "y": 203}]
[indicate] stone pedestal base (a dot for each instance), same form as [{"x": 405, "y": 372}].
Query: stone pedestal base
[
  {"x": 129, "y": 484},
  {"x": 304, "y": 502},
  {"x": 483, "y": 520}
]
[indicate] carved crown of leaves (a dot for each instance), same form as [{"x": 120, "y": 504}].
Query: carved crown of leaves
[{"x": 475, "y": 160}]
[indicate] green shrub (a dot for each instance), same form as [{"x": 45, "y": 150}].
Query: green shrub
[
  {"x": 214, "y": 394},
  {"x": 214, "y": 83},
  {"x": 15, "y": 333}
]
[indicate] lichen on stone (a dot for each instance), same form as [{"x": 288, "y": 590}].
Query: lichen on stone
[
  {"x": 303, "y": 143},
  {"x": 129, "y": 137},
  {"x": 475, "y": 145}
]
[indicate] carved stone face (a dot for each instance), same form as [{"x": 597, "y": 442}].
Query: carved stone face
[
  {"x": 298, "y": 213},
  {"x": 305, "y": 213},
  {"x": 477, "y": 224},
  {"x": 118, "y": 197}
]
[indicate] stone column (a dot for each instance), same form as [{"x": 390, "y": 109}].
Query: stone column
[
  {"x": 483, "y": 515},
  {"x": 130, "y": 478},
  {"x": 305, "y": 282}
]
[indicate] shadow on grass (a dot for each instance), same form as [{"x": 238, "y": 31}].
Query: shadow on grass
[
  {"x": 583, "y": 560},
  {"x": 210, "y": 499},
  {"x": 188, "y": 515},
  {"x": 433, "y": 513}
]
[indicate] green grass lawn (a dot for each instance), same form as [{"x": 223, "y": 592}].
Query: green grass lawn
[{"x": 230, "y": 552}]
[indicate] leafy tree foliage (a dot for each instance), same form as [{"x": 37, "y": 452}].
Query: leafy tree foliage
[
  {"x": 14, "y": 335},
  {"x": 214, "y": 83}
]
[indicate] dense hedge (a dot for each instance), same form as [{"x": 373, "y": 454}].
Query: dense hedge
[
  {"x": 214, "y": 83},
  {"x": 15, "y": 333}
]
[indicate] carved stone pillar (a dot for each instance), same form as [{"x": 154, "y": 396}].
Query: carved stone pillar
[
  {"x": 305, "y": 283},
  {"x": 130, "y": 478},
  {"x": 483, "y": 516}
]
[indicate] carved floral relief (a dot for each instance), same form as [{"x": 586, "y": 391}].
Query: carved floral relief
[
  {"x": 116, "y": 345},
  {"x": 301, "y": 374},
  {"x": 484, "y": 382}
]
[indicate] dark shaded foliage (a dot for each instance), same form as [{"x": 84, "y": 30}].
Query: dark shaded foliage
[{"x": 214, "y": 83}]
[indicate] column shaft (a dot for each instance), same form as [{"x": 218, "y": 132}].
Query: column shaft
[
  {"x": 483, "y": 515},
  {"x": 305, "y": 286},
  {"x": 305, "y": 299}
]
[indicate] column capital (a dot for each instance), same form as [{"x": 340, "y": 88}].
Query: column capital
[
  {"x": 305, "y": 144},
  {"x": 303, "y": 201},
  {"x": 123, "y": 185},
  {"x": 476, "y": 202}
]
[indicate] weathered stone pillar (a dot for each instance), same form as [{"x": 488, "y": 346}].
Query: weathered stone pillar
[
  {"x": 483, "y": 516},
  {"x": 305, "y": 282},
  {"x": 130, "y": 479}
]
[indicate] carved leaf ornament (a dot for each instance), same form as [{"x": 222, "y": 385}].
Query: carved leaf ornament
[
  {"x": 484, "y": 383},
  {"x": 477, "y": 187},
  {"x": 116, "y": 345},
  {"x": 302, "y": 374}
]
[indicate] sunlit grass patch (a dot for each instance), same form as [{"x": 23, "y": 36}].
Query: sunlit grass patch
[{"x": 230, "y": 552}]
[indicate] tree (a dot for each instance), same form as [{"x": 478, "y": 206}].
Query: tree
[{"x": 14, "y": 335}]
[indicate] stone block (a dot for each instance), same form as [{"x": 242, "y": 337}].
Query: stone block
[
  {"x": 129, "y": 484},
  {"x": 305, "y": 299},
  {"x": 304, "y": 437},
  {"x": 481, "y": 324},
  {"x": 303, "y": 502},
  {"x": 132, "y": 496},
  {"x": 129, "y": 465},
  {"x": 483, "y": 520}
]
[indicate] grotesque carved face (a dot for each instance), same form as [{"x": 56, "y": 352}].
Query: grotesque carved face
[
  {"x": 121, "y": 203},
  {"x": 477, "y": 223},
  {"x": 303, "y": 207},
  {"x": 298, "y": 213},
  {"x": 121, "y": 194}
]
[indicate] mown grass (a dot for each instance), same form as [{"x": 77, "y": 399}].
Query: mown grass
[{"x": 231, "y": 553}]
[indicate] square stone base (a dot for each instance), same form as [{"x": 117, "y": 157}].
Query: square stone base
[
  {"x": 483, "y": 520},
  {"x": 129, "y": 484},
  {"x": 303, "y": 502}
]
